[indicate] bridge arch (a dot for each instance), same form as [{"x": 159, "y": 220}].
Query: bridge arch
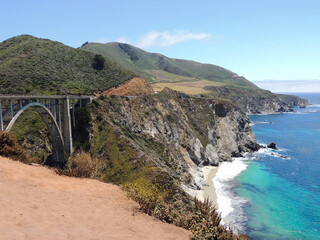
[
  {"x": 58, "y": 113},
  {"x": 56, "y": 136}
]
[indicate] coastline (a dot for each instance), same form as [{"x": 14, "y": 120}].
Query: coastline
[{"x": 209, "y": 191}]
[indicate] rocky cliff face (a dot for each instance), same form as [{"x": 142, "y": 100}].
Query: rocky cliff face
[
  {"x": 258, "y": 101},
  {"x": 177, "y": 132}
]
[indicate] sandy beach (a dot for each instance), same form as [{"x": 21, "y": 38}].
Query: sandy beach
[
  {"x": 36, "y": 203},
  {"x": 209, "y": 191}
]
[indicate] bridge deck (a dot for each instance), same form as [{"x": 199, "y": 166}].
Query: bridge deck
[{"x": 44, "y": 96}]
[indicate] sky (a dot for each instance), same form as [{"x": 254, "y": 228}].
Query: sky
[
  {"x": 260, "y": 40},
  {"x": 292, "y": 86}
]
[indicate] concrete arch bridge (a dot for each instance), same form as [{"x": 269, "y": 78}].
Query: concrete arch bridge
[{"x": 58, "y": 113}]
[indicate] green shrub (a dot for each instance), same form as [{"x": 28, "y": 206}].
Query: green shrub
[
  {"x": 102, "y": 97},
  {"x": 98, "y": 62},
  {"x": 147, "y": 194},
  {"x": 170, "y": 118},
  {"x": 205, "y": 223}
]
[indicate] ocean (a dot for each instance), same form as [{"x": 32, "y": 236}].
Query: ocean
[{"x": 275, "y": 194}]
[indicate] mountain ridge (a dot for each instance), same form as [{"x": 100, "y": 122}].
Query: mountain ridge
[
  {"x": 152, "y": 64},
  {"x": 194, "y": 78}
]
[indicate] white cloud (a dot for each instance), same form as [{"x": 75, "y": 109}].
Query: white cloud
[{"x": 162, "y": 39}]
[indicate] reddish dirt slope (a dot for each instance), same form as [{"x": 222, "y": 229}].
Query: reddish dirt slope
[
  {"x": 36, "y": 203},
  {"x": 136, "y": 86}
]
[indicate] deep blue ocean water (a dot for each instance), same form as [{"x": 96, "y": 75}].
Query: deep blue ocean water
[{"x": 277, "y": 195}]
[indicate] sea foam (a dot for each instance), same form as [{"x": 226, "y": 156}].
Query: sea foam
[
  {"x": 230, "y": 205},
  {"x": 227, "y": 200}
]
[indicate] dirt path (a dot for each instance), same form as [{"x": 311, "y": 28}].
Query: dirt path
[{"x": 36, "y": 203}]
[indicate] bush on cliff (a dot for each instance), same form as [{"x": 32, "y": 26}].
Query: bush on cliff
[
  {"x": 148, "y": 195},
  {"x": 10, "y": 148},
  {"x": 80, "y": 164},
  {"x": 205, "y": 223},
  {"x": 202, "y": 218}
]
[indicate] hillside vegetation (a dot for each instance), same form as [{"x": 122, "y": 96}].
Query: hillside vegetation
[
  {"x": 30, "y": 65},
  {"x": 159, "y": 68}
]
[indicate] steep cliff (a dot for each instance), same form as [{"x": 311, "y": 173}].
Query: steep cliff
[{"x": 177, "y": 133}]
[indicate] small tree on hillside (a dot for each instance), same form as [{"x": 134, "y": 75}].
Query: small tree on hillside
[{"x": 98, "y": 62}]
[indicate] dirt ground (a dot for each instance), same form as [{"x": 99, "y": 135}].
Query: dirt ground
[{"x": 36, "y": 203}]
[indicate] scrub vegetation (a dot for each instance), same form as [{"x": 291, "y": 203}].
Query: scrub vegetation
[{"x": 30, "y": 65}]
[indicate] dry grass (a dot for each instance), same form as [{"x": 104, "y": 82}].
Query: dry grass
[
  {"x": 192, "y": 87},
  {"x": 81, "y": 164},
  {"x": 9, "y": 147}
]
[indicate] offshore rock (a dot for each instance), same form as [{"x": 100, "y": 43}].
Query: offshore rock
[{"x": 273, "y": 146}]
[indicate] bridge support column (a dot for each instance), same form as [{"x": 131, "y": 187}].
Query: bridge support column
[
  {"x": 11, "y": 109},
  {"x": 66, "y": 126},
  {"x": 57, "y": 148}
]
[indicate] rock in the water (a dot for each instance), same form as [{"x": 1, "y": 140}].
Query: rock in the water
[{"x": 272, "y": 145}]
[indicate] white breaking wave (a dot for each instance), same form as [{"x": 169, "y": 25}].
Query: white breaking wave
[
  {"x": 230, "y": 205},
  {"x": 313, "y": 105},
  {"x": 227, "y": 200},
  {"x": 270, "y": 152},
  {"x": 260, "y": 122}
]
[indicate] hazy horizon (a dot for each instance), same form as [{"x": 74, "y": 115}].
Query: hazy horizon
[{"x": 290, "y": 86}]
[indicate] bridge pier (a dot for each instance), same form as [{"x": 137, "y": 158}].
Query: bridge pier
[{"x": 66, "y": 127}]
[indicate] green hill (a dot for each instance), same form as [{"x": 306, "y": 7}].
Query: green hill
[
  {"x": 40, "y": 66},
  {"x": 159, "y": 68}
]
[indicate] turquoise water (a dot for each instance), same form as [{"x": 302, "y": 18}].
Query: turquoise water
[{"x": 281, "y": 196}]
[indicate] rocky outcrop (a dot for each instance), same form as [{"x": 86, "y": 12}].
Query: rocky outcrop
[
  {"x": 293, "y": 101},
  {"x": 272, "y": 145},
  {"x": 179, "y": 133},
  {"x": 258, "y": 101},
  {"x": 134, "y": 87}
]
